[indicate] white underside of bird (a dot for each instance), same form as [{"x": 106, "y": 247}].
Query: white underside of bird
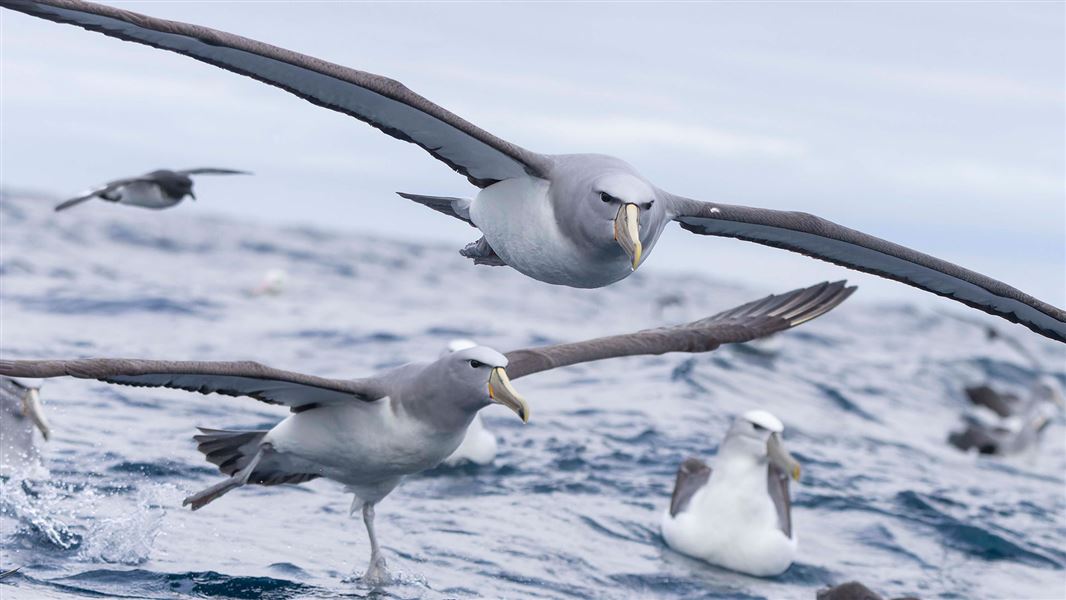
[
  {"x": 143, "y": 194},
  {"x": 518, "y": 220},
  {"x": 732, "y": 522},
  {"x": 478, "y": 447}
]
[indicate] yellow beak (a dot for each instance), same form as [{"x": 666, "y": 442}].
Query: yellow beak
[
  {"x": 31, "y": 407},
  {"x": 781, "y": 457},
  {"x": 627, "y": 232},
  {"x": 501, "y": 392}
]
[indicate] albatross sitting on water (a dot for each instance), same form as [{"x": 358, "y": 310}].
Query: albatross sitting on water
[
  {"x": 582, "y": 220},
  {"x": 369, "y": 433},
  {"x": 1002, "y": 423},
  {"x": 22, "y": 413},
  {"x": 737, "y": 515},
  {"x": 158, "y": 189}
]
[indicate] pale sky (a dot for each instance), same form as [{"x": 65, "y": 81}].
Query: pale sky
[{"x": 939, "y": 126}]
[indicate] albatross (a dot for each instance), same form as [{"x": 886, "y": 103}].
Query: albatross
[
  {"x": 368, "y": 434},
  {"x": 1002, "y": 423},
  {"x": 22, "y": 413},
  {"x": 159, "y": 189},
  {"x": 581, "y": 220},
  {"x": 737, "y": 515}
]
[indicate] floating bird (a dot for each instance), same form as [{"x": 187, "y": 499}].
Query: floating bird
[
  {"x": 21, "y": 411},
  {"x": 999, "y": 422},
  {"x": 1004, "y": 424},
  {"x": 158, "y": 189},
  {"x": 737, "y": 515},
  {"x": 582, "y": 220},
  {"x": 479, "y": 445},
  {"x": 853, "y": 590},
  {"x": 369, "y": 433}
]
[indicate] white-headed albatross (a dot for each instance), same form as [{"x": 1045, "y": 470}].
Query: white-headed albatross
[
  {"x": 369, "y": 433},
  {"x": 737, "y": 515},
  {"x": 582, "y": 220}
]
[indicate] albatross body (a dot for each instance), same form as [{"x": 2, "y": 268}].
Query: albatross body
[
  {"x": 367, "y": 434},
  {"x": 738, "y": 514},
  {"x": 581, "y": 220}
]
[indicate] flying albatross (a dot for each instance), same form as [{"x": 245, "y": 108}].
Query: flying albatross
[
  {"x": 159, "y": 189},
  {"x": 737, "y": 515},
  {"x": 582, "y": 220},
  {"x": 369, "y": 433}
]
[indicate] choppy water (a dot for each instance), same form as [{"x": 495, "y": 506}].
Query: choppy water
[{"x": 572, "y": 505}]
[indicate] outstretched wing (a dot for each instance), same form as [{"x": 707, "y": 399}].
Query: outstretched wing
[
  {"x": 819, "y": 238},
  {"x": 101, "y": 190},
  {"x": 741, "y": 324},
  {"x": 273, "y": 386},
  {"x": 211, "y": 171},
  {"x": 381, "y": 102}
]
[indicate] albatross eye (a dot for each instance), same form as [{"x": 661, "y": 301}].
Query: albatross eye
[
  {"x": 647, "y": 205},
  {"x": 476, "y": 364},
  {"x": 758, "y": 427},
  {"x": 606, "y": 197}
]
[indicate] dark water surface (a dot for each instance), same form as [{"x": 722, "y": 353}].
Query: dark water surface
[{"x": 572, "y": 505}]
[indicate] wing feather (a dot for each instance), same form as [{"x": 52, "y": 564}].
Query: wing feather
[
  {"x": 818, "y": 238},
  {"x": 741, "y": 324},
  {"x": 244, "y": 378},
  {"x": 378, "y": 101}
]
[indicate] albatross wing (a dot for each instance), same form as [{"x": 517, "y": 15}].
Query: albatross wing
[
  {"x": 245, "y": 378},
  {"x": 378, "y": 101},
  {"x": 818, "y": 238},
  {"x": 740, "y": 324}
]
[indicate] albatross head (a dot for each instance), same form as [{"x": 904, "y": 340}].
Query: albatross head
[
  {"x": 758, "y": 433},
  {"x": 628, "y": 204},
  {"x": 482, "y": 371}
]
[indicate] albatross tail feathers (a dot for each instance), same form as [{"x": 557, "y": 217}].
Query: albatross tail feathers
[
  {"x": 246, "y": 459},
  {"x": 230, "y": 450}
]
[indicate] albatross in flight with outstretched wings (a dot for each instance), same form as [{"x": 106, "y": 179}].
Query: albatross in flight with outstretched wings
[
  {"x": 582, "y": 220},
  {"x": 370, "y": 433}
]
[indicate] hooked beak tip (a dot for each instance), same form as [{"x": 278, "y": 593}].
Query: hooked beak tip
[{"x": 502, "y": 392}]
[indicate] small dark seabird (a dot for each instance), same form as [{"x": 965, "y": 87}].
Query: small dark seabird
[
  {"x": 853, "y": 590},
  {"x": 370, "y": 433},
  {"x": 581, "y": 220},
  {"x": 156, "y": 190},
  {"x": 21, "y": 414},
  {"x": 1002, "y": 423}
]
